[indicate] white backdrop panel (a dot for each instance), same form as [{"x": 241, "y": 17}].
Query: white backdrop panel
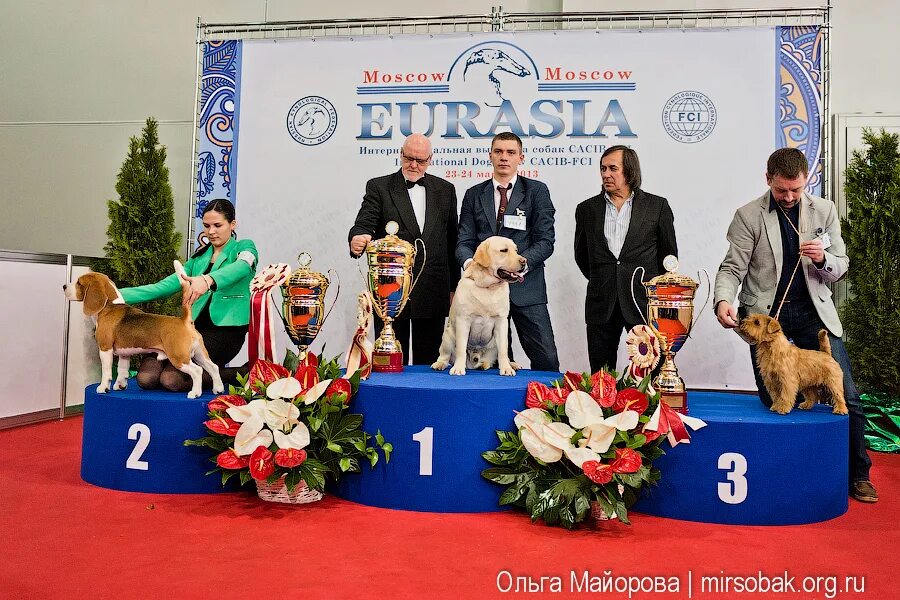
[{"x": 293, "y": 197}]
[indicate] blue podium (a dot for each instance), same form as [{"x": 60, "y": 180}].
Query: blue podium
[
  {"x": 439, "y": 424},
  {"x": 133, "y": 440},
  {"x": 751, "y": 466}
]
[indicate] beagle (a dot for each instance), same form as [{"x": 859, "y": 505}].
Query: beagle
[{"x": 125, "y": 331}]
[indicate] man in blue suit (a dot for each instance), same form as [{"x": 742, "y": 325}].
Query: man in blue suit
[{"x": 520, "y": 209}]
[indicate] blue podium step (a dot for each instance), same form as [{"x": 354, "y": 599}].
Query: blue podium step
[{"x": 133, "y": 440}]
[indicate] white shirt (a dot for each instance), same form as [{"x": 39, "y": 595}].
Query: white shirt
[
  {"x": 615, "y": 225},
  {"x": 417, "y": 197}
]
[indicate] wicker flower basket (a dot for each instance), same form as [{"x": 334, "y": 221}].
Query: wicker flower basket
[
  {"x": 278, "y": 492},
  {"x": 598, "y": 513}
]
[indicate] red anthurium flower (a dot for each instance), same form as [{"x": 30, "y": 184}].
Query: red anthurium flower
[
  {"x": 230, "y": 460},
  {"x": 266, "y": 372},
  {"x": 261, "y": 463},
  {"x": 537, "y": 395},
  {"x": 223, "y": 426},
  {"x": 603, "y": 388},
  {"x": 572, "y": 380},
  {"x": 651, "y": 435},
  {"x": 558, "y": 395},
  {"x": 289, "y": 457},
  {"x": 311, "y": 360},
  {"x": 597, "y": 471},
  {"x": 627, "y": 461},
  {"x": 631, "y": 399},
  {"x": 340, "y": 387},
  {"x": 307, "y": 375},
  {"x": 223, "y": 402}
]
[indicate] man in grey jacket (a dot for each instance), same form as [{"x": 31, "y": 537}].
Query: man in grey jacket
[{"x": 767, "y": 238}]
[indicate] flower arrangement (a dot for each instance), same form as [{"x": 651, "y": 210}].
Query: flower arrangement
[
  {"x": 294, "y": 429},
  {"x": 587, "y": 441}
]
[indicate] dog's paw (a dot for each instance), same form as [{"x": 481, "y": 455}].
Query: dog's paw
[
  {"x": 840, "y": 410},
  {"x": 121, "y": 385},
  {"x": 218, "y": 389},
  {"x": 507, "y": 370},
  {"x": 439, "y": 365},
  {"x": 458, "y": 370},
  {"x": 515, "y": 365},
  {"x": 781, "y": 410},
  {"x": 192, "y": 394},
  {"x": 102, "y": 388},
  {"x": 806, "y": 404}
]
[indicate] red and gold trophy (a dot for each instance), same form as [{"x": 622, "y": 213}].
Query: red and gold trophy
[
  {"x": 390, "y": 263},
  {"x": 303, "y": 304},
  {"x": 670, "y": 312}
]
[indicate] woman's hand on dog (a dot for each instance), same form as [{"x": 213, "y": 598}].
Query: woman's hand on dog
[
  {"x": 726, "y": 314},
  {"x": 196, "y": 287}
]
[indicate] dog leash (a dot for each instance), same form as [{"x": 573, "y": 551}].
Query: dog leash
[{"x": 796, "y": 266}]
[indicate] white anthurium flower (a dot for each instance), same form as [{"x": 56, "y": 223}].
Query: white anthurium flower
[
  {"x": 313, "y": 393},
  {"x": 297, "y": 439},
  {"x": 241, "y": 414},
  {"x": 599, "y": 435},
  {"x": 281, "y": 414},
  {"x": 532, "y": 424},
  {"x": 582, "y": 409},
  {"x": 286, "y": 387},
  {"x": 251, "y": 436},
  {"x": 579, "y": 456},
  {"x": 558, "y": 435}
]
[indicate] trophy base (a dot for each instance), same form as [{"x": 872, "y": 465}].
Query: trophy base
[
  {"x": 387, "y": 362},
  {"x": 677, "y": 401}
]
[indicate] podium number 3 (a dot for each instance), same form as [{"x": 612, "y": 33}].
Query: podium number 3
[
  {"x": 141, "y": 433},
  {"x": 426, "y": 447},
  {"x": 736, "y": 465}
]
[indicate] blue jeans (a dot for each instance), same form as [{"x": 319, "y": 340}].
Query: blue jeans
[{"x": 801, "y": 323}]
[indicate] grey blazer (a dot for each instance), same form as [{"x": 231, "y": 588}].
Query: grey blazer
[{"x": 754, "y": 259}]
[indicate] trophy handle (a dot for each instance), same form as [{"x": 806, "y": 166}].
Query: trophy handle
[
  {"x": 337, "y": 293},
  {"x": 633, "y": 298},
  {"x": 705, "y": 302},
  {"x": 422, "y": 268}
]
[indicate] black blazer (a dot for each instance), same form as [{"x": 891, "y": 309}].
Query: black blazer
[
  {"x": 478, "y": 221},
  {"x": 386, "y": 200},
  {"x": 650, "y": 238}
]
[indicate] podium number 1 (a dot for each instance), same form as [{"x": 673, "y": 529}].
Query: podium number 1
[
  {"x": 141, "y": 433},
  {"x": 426, "y": 447}
]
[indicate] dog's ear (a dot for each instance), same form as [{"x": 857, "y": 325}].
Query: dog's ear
[
  {"x": 95, "y": 294},
  {"x": 773, "y": 327},
  {"x": 481, "y": 255}
]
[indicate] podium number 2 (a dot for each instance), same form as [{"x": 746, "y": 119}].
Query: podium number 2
[
  {"x": 426, "y": 447},
  {"x": 736, "y": 465},
  {"x": 141, "y": 433}
]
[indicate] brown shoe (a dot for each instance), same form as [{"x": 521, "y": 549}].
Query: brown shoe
[{"x": 863, "y": 491}]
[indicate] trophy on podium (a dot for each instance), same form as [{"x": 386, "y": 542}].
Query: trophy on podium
[
  {"x": 670, "y": 312},
  {"x": 303, "y": 303},
  {"x": 389, "y": 279}
]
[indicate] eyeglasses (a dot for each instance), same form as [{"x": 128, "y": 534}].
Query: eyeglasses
[{"x": 422, "y": 162}]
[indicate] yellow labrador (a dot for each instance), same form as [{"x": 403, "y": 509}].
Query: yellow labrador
[{"x": 480, "y": 309}]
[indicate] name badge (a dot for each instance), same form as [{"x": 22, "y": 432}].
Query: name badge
[
  {"x": 826, "y": 240},
  {"x": 514, "y": 222}
]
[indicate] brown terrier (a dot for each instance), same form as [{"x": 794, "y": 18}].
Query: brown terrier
[{"x": 787, "y": 369}]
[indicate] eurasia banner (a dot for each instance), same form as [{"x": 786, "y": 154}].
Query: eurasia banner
[{"x": 291, "y": 130}]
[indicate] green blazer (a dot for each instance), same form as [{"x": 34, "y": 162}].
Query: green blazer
[{"x": 229, "y": 302}]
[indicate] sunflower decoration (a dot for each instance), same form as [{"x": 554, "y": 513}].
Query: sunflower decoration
[{"x": 643, "y": 351}]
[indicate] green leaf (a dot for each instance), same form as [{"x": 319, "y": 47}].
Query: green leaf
[
  {"x": 512, "y": 494},
  {"x": 291, "y": 360},
  {"x": 292, "y": 479},
  {"x": 344, "y": 464},
  {"x": 502, "y": 475},
  {"x": 379, "y": 438},
  {"x": 245, "y": 477},
  {"x": 334, "y": 447},
  {"x": 373, "y": 459},
  {"x": 387, "y": 449}
]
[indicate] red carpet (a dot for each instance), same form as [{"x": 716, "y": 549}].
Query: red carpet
[{"x": 63, "y": 538}]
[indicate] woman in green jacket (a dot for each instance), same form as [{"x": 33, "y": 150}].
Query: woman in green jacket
[{"x": 219, "y": 274}]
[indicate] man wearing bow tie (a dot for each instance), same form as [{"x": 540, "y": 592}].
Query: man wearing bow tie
[
  {"x": 520, "y": 209},
  {"x": 424, "y": 206}
]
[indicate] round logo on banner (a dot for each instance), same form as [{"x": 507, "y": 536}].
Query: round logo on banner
[
  {"x": 689, "y": 117},
  {"x": 312, "y": 120}
]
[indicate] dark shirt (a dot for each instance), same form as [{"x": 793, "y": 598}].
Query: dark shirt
[{"x": 790, "y": 246}]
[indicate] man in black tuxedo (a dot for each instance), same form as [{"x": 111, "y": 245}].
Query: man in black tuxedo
[
  {"x": 616, "y": 232},
  {"x": 520, "y": 209},
  {"x": 424, "y": 206}
]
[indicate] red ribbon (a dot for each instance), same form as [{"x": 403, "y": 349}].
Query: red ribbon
[{"x": 261, "y": 332}]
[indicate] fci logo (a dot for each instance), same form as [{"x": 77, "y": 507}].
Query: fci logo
[{"x": 689, "y": 117}]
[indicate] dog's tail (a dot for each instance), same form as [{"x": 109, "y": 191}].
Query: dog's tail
[
  {"x": 824, "y": 343},
  {"x": 186, "y": 313}
]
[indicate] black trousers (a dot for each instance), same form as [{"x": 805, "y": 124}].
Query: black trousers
[
  {"x": 426, "y": 337},
  {"x": 603, "y": 340}
]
